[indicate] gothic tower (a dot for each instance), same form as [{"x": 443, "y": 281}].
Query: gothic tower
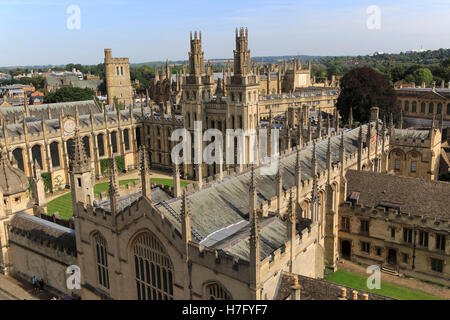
[
  {"x": 81, "y": 183},
  {"x": 118, "y": 81},
  {"x": 242, "y": 91},
  {"x": 198, "y": 88}
]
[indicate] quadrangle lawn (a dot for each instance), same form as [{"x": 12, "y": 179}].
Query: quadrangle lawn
[
  {"x": 63, "y": 204},
  {"x": 359, "y": 282}
]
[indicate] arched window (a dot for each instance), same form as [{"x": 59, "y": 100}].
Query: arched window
[
  {"x": 414, "y": 107},
  {"x": 439, "y": 108},
  {"x": 87, "y": 147},
  {"x": 215, "y": 291},
  {"x": 406, "y": 106},
  {"x": 114, "y": 141},
  {"x": 54, "y": 153},
  {"x": 422, "y": 107},
  {"x": 431, "y": 108},
  {"x": 101, "y": 255},
  {"x": 18, "y": 155},
  {"x": 70, "y": 148},
  {"x": 154, "y": 269},
  {"x": 448, "y": 109},
  {"x": 100, "y": 145},
  {"x": 126, "y": 139},
  {"x": 36, "y": 154}
]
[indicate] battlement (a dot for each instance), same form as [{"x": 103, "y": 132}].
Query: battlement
[{"x": 396, "y": 216}]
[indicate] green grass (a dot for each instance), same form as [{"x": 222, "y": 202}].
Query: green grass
[
  {"x": 63, "y": 204},
  {"x": 357, "y": 281},
  {"x": 103, "y": 187},
  {"x": 167, "y": 182}
]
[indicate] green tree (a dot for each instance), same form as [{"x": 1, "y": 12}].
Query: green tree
[
  {"x": 66, "y": 94},
  {"x": 423, "y": 75}
]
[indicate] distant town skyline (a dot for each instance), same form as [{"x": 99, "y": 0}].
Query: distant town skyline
[{"x": 45, "y": 32}]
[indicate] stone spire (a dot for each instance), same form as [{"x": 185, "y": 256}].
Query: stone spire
[
  {"x": 391, "y": 125},
  {"x": 350, "y": 118},
  {"x": 319, "y": 125},
  {"x": 400, "y": 124},
  {"x": 298, "y": 174},
  {"x": 328, "y": 125},
  {"x": 38, "y": 186},
  {"x": 114, "y": 187},
  {"x": 79, "y": 160},
  {"x": 342, "y": 153},
  {"x": 186, "y": 222},
  {"x": 255, "y": 246},
  {"x": 291, "y": 228},
  {"x": 309, "y": 131},
  {"x": 176, "y": 181},
  {"x": 279, "y": 188},
  {"x": 336, "y": 122},
  {"x": 145, "y": 173},
  {"x": 300, "y": 129},
  {"x": 329, "y": 159},
  {"x": 314, "y": 191},
  {"x": 360, "y": 148}
]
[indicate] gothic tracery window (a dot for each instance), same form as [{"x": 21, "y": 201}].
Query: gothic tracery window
[
  {"x": 154, "y": 269},
  {"x": 215, "y": 291},
  {"x": 102, "y": 261}
]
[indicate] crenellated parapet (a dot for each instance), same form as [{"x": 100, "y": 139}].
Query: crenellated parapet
[{"x": 395, "y": 216}]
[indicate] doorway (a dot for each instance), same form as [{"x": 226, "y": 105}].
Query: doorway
[
  {"x": 346, "y": 249},
  {"x": 392, "y": 257}
]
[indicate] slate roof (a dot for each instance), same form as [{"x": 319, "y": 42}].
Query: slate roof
[
  {"x": 225, "y": 203},
  {"x": 411, "y": 134},
  {"x": 35, "y": 125},
  {"x": 158, "y": 195},
  {"x": 67, "y": 108},
  {"x": 74, "y": 81},
  {"x": 42, "y": 230},
  {"x": 413, "y": 195}
]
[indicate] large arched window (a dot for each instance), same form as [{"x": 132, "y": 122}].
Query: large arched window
[
  {"x": 36, "y": 154},
  {"x": 154, "y": 269},
  {"x": 114, "y": 141},
  {"x": 414, "y": 107},
  {"x": 431, "y": 108},
  {"x": 101, "y": 261},
  {"x": 215, "y": 291},
  {"x": 126, "y": 139},
  {"x": 100, "y": 145},
  {"x": 18, "y": 156},
  {"x": 87, "y": 147},
  {"x": 448, "y": 109},
  {"x": 54, "y": 152}
]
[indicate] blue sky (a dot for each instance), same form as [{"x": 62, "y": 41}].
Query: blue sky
[{"x": 34, "y": 31}]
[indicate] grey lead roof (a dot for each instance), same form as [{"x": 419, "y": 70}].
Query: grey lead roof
[{"x": 225, "y": 203}]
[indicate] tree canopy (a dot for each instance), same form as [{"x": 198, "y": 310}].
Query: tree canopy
[
  {"x": 362, "y": 89},
  {"x": 423, "y": 75},
  {"x": 66, "y": 94}
]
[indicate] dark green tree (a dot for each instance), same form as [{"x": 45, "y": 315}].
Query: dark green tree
[
  {"x": 66, "y": 94},
  {"x": 362, "y": 89}
]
